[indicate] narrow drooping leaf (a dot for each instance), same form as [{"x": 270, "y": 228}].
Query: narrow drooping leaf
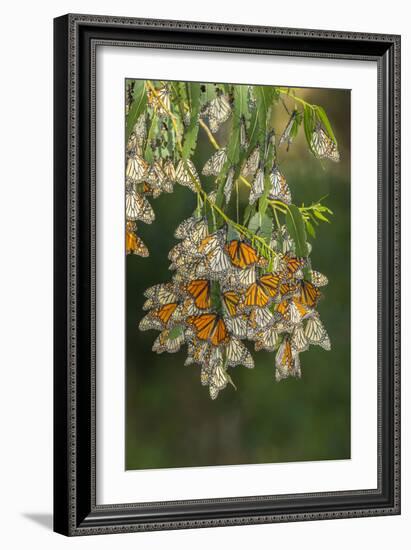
[
  {"x": 266, "y": 228},
  {"x": 191, "y": 133},
  {"x": 264, "y": 96},
  {"x": 296, "y": 228},
  {"x": 137, "y": 107},
  {"x": 325, "y": 122},
  {"x": 310, "y": 228},
  {"x": 320, "y": 216},
  {"x": 309, "y": 125}
]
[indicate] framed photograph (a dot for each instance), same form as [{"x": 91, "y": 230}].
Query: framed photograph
[{"x": 227, "y": 280}]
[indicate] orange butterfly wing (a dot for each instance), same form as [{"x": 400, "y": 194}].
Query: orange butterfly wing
[
  {"x": 200, "y": 290},
  {"x": 242, "y": 254},
  {"x": 309, "y": 294},
  {"x": 301, "y": 308},
  {"x": 270, "y": 282},
  {"x": 292, "y": 265},
  {"x": 231, "y": 301},
  {"x": 255, "y": 296},
  {"x": 209, "y": 327},
  {"x": 219, "y": 334},
  {"x": 165, "y": 312},
  {"x": 287, "y": 356},
  {"x": 283, "y": 308}
]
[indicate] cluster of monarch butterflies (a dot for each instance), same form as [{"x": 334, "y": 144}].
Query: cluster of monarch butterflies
[
  {"x": 151, "y": 179},
  {"x": 223, "y": 293}
]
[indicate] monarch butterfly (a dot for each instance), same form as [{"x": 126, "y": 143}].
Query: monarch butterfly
[
  {"x": 251, "y": 163},
  {"x": 231, "y": 300},
  {"x": 316, "y": 333},
  {"x": 129, "y": 95},
  {"x": 211, "y": 242},
  {"x": 228, "y": 186},
  {"x": 137, "y": 169},
  {"x": 243, "y": 134},
  {"x": 245, "y": 277},
  {"x": 185, "y": 227},
  {"x": 266, "y": 339},
  {"x": 287, "y": 289},
  {"x": 158, "y": 318},
  {"x": 212, "y": 196},
  {"x": 193, "y": 233},
  {"x": 217, "y": 261},
  {"x": 159, "y": 100},
  {"x": 293, "y": 310},
  {"x": 132, "y": 147},
  {"x": 298, "y": 339},
  {"x": 215, "y": 163},
  {"x": 287, "y": 362},
  {"x": 261, "y": 318},
  {"x": 279, "y": 187},
  {"x": 159, "y": 295},
  {"x": 184, "y": 310},
  {"x": 210, "y": 327},
  {"x": 257, "y": 187},
  {"x": 318, "y": 279},
  {"x": 218, "y": 111},
  {"x": 186, "y": 175},
  {"x": 238, "y": 326},
  {"x": 198, "y": 352},
  {"x": 138, "y": 207},
  {"x": 288, "y": 134},
  {"x": 242, "y": 254},
  {"x": 291, "y": 266},
  {"x": 140, "y": 128},
  {"x": 217, "y": 380},
  {"x": 309, "y": 294},
  {"x": 134, "y": 245},
  {"x": 238, "y": 354},
  {"x": 157, "y": 180},
  {"x": 199, "y": 289},
  {"x": 165, "y": 342},
  {"x": 323, "y": 146},
  {"x": 169, "y": 170},
  {"x": 262, "y": 291}
]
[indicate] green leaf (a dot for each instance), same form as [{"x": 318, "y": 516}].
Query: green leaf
[
  {"x": 310, "y": 228},
  {"x": 296, "y": 228},
  {"x": 210, "y": 93},
  {"x": 264, "y": 96},
  {"x": 309, "y": 125},
  {"x": 248, "y": 213},
  {"x": 191, "y": 134},
  {"x": 266, "y": 228},
  {"x": 325, "y": 122},
  {"x": 254, "y": 223},
  {"x": 262, "y": 225},
  {"x": 175, "y": 332},
  {"x": 232, "y": 234},
  {"x": 137, "y": 107},
  {"x": 321, "y": 217}
]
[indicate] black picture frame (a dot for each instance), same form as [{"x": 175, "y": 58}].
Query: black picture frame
[{"x": 75, "y": 40}]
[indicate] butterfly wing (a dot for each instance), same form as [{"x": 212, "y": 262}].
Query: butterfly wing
[
  {"x": 199, "y": 289},
  {"x": 242, "y": 254}
]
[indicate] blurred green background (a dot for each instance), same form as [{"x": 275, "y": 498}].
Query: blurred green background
[{"x": 170, "y": 419}]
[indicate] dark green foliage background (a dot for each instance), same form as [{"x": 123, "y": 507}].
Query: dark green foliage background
[{"x": 170, "y": 419}]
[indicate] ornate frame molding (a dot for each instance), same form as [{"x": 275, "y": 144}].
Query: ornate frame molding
[{"x": 76, "y": 40}]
